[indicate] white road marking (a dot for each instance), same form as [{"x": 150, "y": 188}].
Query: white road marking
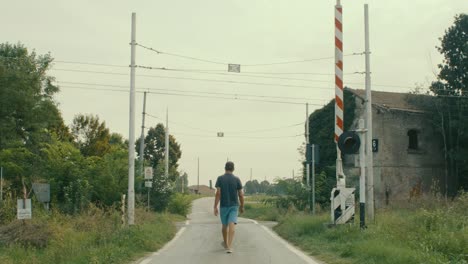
[
  {"x": 253, "y": 221},
  {"x": 299, "y": 253},
  {"x": 178, "y": 234}
]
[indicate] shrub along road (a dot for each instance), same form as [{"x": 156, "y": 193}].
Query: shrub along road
[{"x": 200, "y": 242}]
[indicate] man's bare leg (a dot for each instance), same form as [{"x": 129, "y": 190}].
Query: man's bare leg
[
  {"x": 225, "y": 233},
  {"x": 232, "y": 229}
]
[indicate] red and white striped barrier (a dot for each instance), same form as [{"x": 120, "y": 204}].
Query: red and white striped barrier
[{"x": 339, "y": 100}]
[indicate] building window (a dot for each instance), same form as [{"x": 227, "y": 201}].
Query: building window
[{"x": 413, "y": 139}]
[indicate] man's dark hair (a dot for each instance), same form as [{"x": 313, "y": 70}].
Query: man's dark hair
[{"x": 229, "y": 166}]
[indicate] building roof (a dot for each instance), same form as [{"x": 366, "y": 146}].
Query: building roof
[{"x": 392, "y": 101}]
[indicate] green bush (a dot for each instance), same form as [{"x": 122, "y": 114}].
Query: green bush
[{"x": 180, "y": 204}]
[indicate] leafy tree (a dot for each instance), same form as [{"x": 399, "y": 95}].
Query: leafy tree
[
  {"x": 162, "y": 189},
  {"x": 91, "y": 135},
  {"x": 182, "y": 181},
  {"x": 27, "y": 109},
  {"x": 451, "y": 106},
  {"x": 154, "y": 152},
  {"x": 321, "y": 125}
]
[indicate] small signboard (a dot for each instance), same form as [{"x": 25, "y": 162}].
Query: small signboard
[
  {"x": 148, "y": 173},
  {"x": 375, "y": 145},
  {"x": 315, "y": 154},
  {"x": 42, "y": 192},
  {"x": 148, "y": 184},
  {"x": 234, "y": 68},
  {"x": 220, "y": 134},
  {"x": 24, "y": 209}
]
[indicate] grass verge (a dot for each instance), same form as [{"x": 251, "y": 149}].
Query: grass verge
[
  {"x": 436, "y": 233},
  {"x": 93, "y": 237}
]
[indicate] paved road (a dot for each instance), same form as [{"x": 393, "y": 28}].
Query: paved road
[{"x": 199, "y": 241}]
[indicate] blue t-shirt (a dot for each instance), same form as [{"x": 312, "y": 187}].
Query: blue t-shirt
[{"x": 229, "y": 185}]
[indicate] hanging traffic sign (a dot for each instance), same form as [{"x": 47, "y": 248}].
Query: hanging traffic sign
[{"x": 234, "y": 68}]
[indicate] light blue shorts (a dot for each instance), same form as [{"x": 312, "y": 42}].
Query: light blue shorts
[{"x": 229, "y": 215}]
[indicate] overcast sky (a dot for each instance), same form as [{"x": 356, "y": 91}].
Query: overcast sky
[{"x": 404, "y": 35}]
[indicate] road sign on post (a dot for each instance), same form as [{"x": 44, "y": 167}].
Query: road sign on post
[
  {"x": 24, "y": 209},
  {"x": 42, "y": 192},
  {"x": 148, "y": 173}
]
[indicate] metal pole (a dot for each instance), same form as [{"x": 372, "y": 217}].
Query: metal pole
[
  {"x": 131, "y": 136},
  {"x": 370, "y": 158},
  {"x": 183, "y": 182},
  {"x": 312, "y": 190},
  {"x": 362, "y": 179},
  {"x": 307, "y": 146},
  {"x": 148, "y": 199},
  {"x": 167, "y": 143},
  {"x": 198, "y": 175},
  {"x": 142, "y": 137},
  {"x": 1, "y": 183},
  {"x": 339, "y": 99}
]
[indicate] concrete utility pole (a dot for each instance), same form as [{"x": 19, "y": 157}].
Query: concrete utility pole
[
  {"x": 312, "y": 189},
  {"x": 183, "y": 182},
  {"x": 167, "y": 144},
  {"x": 307, "y": 144},
  {"x": 362, "y": 178},
  {"x": 131, "y": 134},
  {"x": 1, "y": 183},
  {"x": 198, "y": 175},
  {"x": 370, "y": 158},
  {"x": 142, "y": 137}
]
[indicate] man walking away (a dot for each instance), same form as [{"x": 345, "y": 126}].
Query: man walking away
[{"x": 228, "y": 192}]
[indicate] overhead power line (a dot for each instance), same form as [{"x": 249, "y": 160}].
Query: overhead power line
[
  {"x": 198, "y": 96},
  {"x": 243, "y": 64},
  {"x": 197, "y": 92},
  {"x": 237, "y": 137},
  {"x": 205, "y": 80},
  {"x": 236, "y": 132}
]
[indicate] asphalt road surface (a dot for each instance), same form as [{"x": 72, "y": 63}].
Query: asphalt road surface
[{"x": 199, "y": 241}]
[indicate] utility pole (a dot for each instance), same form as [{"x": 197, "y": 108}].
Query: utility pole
[
  {"x": 142, "y": 137},
  {"x": 362, "y": 178},
  {"x": 167, "y": 144},
  {"x": 251, "y": 174},
  {"x": 198, "y": 175},
  {"x": 131, "y": 136},
  {"x": 307, "y": 146},
  {"x": 1, "y": 184},
  {"x": 183, "y": 182},
  {"x": 370, "y": 158},
  {"x": 312, "y": 189}
]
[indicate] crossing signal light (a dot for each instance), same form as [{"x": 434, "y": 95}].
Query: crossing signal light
[{"x": 349, "y": 142}]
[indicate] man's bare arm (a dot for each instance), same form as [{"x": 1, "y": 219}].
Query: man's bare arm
[
  {"x": 241, "y": 200},
  {"x": 217, "y": 198}
]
